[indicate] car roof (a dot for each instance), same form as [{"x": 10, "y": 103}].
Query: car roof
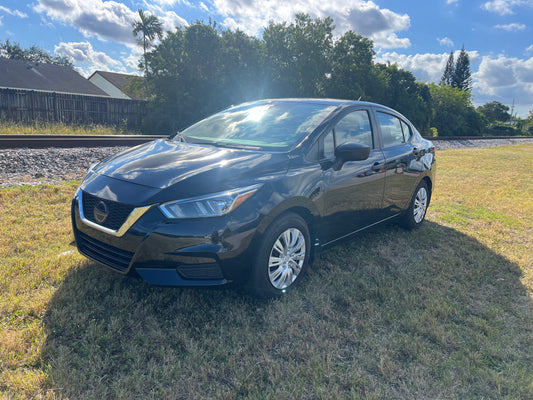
[
  {"x": 324, "y": 101},
  {"x": 311, "y": 100}
]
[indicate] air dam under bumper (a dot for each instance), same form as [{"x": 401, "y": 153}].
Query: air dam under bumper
[
  {"x": 200, "y": 252},
  {"x": 171, "y": 277}
]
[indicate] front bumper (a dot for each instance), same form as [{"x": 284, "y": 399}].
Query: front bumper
[{"x": 195, "y": 252}]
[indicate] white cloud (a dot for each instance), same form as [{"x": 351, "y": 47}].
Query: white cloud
[
  {"x": 530, "y": 48},
  {"x": 203, "y": 7},
  {"x": 446, "y": 42},
  {"x": 497, "y": 78},
  {"x": 426, "y": 67},
  {"x": 363, "y": 17},
  {"x": 169, "y": 19},
  {"x": 132, "y": 61},
  {"x": 514, "y": 27},
  {"x": 451, "y": 1},
  {"x": 16, "y": 13},
  {"x": 103, "y": 19},
  {"x": 46, "y": 23},
  {"x": 506, "y": 79},
  {"x": 168, "y": 3},
  {"x": 86, "y": 59},
  {"x": 495, "y": 73},
  {"x": 107, "y": 20},
  {"x": 505, "y": 7}
]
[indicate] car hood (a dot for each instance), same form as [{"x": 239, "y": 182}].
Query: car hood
[{"x": 190, "y": 169}]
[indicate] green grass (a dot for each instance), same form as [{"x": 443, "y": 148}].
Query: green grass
[
  {"x": 47, "y": 128},
  {"x": 444, "y": 312}
]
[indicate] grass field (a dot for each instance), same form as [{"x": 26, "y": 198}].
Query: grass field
[
  {"x": 445, "y": 312},
  {"x": 44, "y": 128}
]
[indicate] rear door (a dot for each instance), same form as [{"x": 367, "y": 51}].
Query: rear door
[{"x": 400, "y": 153}]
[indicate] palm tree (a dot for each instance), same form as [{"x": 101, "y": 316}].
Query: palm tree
[{"x": 150, "y": 27}]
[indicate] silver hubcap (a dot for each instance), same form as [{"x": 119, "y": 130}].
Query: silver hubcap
[
  {"x": 421, "y": 203},
  {"x": 286, "y": 258}
]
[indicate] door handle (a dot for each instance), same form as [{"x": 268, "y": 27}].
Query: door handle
[{"x": 378, "y": 166}]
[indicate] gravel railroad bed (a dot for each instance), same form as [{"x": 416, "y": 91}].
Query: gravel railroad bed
[{"x": 38, "y": 166}]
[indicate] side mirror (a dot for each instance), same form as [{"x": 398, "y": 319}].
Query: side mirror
[{"x": 350, "y": 152}]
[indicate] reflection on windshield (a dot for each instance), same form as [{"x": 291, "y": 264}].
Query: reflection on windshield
[{"x": 275, "y": 124}]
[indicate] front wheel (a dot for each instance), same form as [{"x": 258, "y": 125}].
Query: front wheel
[
  {"x": 282, "y": 257},
  {"x": 416, "y": 213}
]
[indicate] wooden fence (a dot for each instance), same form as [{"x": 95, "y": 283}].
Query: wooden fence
[{"x": 30, "y": 106}]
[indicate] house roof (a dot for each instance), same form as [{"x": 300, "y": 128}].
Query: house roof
[
  {"x": 121, "y": 81},
  {"x": 17, "y": 74}
]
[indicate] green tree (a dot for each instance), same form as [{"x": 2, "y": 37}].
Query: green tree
[
  {"x": 297, "y": 56},
  {"x": 198, "y": 70},
  {"x": 34, "y": 54},
  {"x": 400, "y": 90},
  {"x": 351, "y": 67},
  {"x": 453, "y": 113},
  {"x": 449, "y": 71},
  {"x": 165, "y": 111},
  {"x": 150, "y": 27},
  {"x": 201, "y": 70},
  {"x": 462, "y": 76},
  {"x": 528, "y": 124},
  {"x": 495, "y": 112},
  {"x": 242, "y": 67}
]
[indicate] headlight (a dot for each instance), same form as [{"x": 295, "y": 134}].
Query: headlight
[{"x": 213, "y": 205}]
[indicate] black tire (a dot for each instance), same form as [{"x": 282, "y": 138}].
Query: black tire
[
  {"x": 282, "y": 257},
  {"x": 416, "y": 213}
]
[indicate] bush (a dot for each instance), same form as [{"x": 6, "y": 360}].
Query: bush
[{"x": 502, "y": 130}]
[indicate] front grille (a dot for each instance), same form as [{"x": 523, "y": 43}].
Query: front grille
[
  {"x": 102, "y": 252},
  {"x": 118, "y": 212}
]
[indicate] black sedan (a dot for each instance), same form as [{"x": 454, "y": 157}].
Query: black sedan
[{"x": 251, "y": 193}]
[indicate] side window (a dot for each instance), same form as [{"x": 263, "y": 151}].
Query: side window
[
  {"x": 406, "y": 131},
  {"x": 391, "y": 129},
  {"x": 355, "y": 128}
]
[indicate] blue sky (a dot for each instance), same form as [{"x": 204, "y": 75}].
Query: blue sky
[{"x": 416, "y": 35}]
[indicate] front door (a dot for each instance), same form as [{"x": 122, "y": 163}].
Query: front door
[{"x": 353, "y": 195}]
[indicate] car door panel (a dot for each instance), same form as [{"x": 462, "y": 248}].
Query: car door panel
[
  {"x": 354, "y": 193},
  {"x": 353, "y": 196},
  {"x": 401, "y": 176}
]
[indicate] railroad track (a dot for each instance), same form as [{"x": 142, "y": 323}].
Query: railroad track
[
  {"x": 72, "y": 141},
  {"x": 76, "y": 141}
]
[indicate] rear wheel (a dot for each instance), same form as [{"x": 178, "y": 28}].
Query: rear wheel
[
  {"x": 416, "y": 213},
  {"x": 282, "y": 257}
]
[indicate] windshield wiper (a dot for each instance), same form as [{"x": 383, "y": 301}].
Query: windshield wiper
[{"x": 235, "y": 145}]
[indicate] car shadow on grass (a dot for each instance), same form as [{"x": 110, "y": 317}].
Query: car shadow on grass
[{"x": 388, "y": 314}]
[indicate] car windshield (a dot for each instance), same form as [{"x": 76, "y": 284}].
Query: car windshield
[{"x": 277, "y": 125}]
